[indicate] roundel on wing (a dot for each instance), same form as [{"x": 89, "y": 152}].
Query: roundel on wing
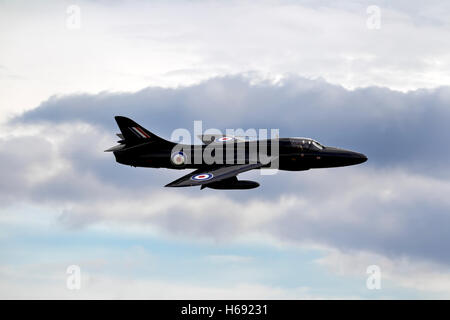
[
  {"x": 224, "y": 139},
  {"x": 202, "y": 177},
  {"x": 178, "y": 158}
]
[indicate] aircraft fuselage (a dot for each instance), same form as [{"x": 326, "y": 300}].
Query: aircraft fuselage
[
  {"x": 294, "y": 154},
  {"x": 221, "y": 159}
]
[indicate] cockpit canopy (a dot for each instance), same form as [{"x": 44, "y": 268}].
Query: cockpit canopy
[{"x": 306, "y": 143}]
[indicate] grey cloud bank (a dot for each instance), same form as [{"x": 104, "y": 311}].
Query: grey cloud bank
[
  {"x": 395, "y": 205},
  {"x": 392, "y": 128}
]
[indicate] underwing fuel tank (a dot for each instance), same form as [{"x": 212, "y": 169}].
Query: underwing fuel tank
[{"x": 236, "y": 185}]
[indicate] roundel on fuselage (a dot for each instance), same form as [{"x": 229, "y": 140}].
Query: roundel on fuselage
[
  {"x": 224, "y": 139},
  {"x": 178, "y": 158}
]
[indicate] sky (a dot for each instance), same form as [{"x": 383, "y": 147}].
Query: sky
[{"x": 370, "y": 76}]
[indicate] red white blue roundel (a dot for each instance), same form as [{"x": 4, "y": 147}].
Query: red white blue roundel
[
  {"x": 224, "y": 139},
  {"x": 178, "y": 158},
  {"x": 202, "y": 177}
]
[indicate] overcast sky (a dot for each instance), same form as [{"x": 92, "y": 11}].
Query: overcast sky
[{"x": 307, "y": 68}]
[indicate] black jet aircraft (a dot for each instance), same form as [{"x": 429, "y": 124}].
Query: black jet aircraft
[{"x": 215, "y": 165}]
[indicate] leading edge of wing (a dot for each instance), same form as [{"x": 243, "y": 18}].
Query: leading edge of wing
[{"x": 204, "y": 176}]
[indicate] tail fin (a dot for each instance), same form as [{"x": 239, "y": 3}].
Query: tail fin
[{"x": 134, "y": 133}]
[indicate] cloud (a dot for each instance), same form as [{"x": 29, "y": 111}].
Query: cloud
[
  {"x": 421, "y": 276},
  {"x": 131, "y": 45},
  {"x": 392, "y": 213},
  {"x": 392, "y": 128},
  {"x": 309, "y": 68},
  {"x": 220, "y": 259},
  {"x": 50, "y": 285},
  {"x": 395, "y": 206}
]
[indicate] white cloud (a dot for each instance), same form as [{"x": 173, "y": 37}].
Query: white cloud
[
  {"x": 229, "y": 259},
  {"x": 431, "y": 279},
  {"x": 128, "y": 46},
  {"x": 118, "y": 275},
  {"x": 100, "y": 286}
]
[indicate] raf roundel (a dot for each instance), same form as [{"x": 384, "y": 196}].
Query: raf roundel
[
  {"x": 178, "y": 158},
  {"x": 202, "y": 177},
  {"x": 224, "y": 139}
]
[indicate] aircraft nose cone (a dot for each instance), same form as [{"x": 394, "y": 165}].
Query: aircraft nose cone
[
  {"x": 342, "y": 157},
  {"x": 359, "y": 157}
]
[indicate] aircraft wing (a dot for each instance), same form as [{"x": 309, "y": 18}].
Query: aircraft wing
[{"x": 204, "y": 176}]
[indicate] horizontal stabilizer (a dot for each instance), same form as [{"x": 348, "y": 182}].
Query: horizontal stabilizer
[{"x": 115, "y": 148}]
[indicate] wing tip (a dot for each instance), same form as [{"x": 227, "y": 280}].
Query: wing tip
[{"x": 176, "y": 186}]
